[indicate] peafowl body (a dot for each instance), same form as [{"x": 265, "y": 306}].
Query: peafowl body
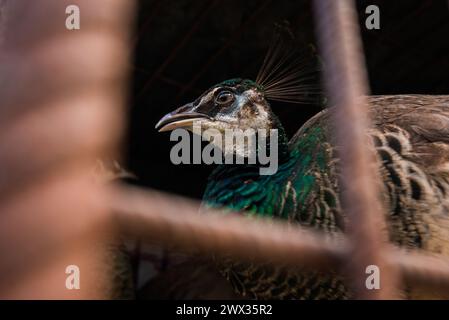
[{"x": 410, "y": 136}]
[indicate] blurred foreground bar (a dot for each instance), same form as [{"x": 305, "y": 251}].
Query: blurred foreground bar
[
  {"x": 174, "y": 222},
  {"x": 347, "y": 86},
  {"x": 62, "y": 94}
]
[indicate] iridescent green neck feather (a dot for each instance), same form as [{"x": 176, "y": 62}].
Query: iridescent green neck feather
[{"x": 241, "y": 188}]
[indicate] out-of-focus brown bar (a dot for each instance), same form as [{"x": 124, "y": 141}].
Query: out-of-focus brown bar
[
  {"x": 174, "y": 222},
  {"x": 346, "y": 83},
  {"x": 62, "y": 94}
]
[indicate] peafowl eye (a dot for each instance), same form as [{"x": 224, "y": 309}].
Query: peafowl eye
[{"x": 410, "y": 136}]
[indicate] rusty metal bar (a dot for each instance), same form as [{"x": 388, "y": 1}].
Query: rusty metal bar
[
  {"x": 346, "y": 83},
  {"x": 62, "y": 94},
  {"x": 175, "y": 222},
  {"x": 422, "y": 270}
]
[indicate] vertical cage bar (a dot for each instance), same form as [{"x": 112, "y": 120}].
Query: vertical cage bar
[
  {"x": 62, "y": 94},
  {"x": 347, "y": 85}
]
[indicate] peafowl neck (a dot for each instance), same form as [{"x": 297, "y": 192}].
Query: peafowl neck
[
  {"x": 282, "y": 150},
  {"x": 242, "y": 187},
  {"x": 284, "y": 194}
]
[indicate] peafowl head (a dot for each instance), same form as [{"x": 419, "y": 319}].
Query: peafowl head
[
  {"x": 235, "y": 108},
  {"x": 232, "y": 104},
  {"x": 241, "y": 105}
]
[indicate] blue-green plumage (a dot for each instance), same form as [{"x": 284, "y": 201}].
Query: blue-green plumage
[{"x": 284, "y": 195}]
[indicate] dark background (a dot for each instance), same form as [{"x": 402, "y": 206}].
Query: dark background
[{"x": 184, "y": 47}]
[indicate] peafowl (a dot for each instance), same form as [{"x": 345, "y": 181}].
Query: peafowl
[{"x": 409, "y": 134}]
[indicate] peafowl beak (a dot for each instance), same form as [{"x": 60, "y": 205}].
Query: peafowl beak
[{"x": 182, "y": 117}]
